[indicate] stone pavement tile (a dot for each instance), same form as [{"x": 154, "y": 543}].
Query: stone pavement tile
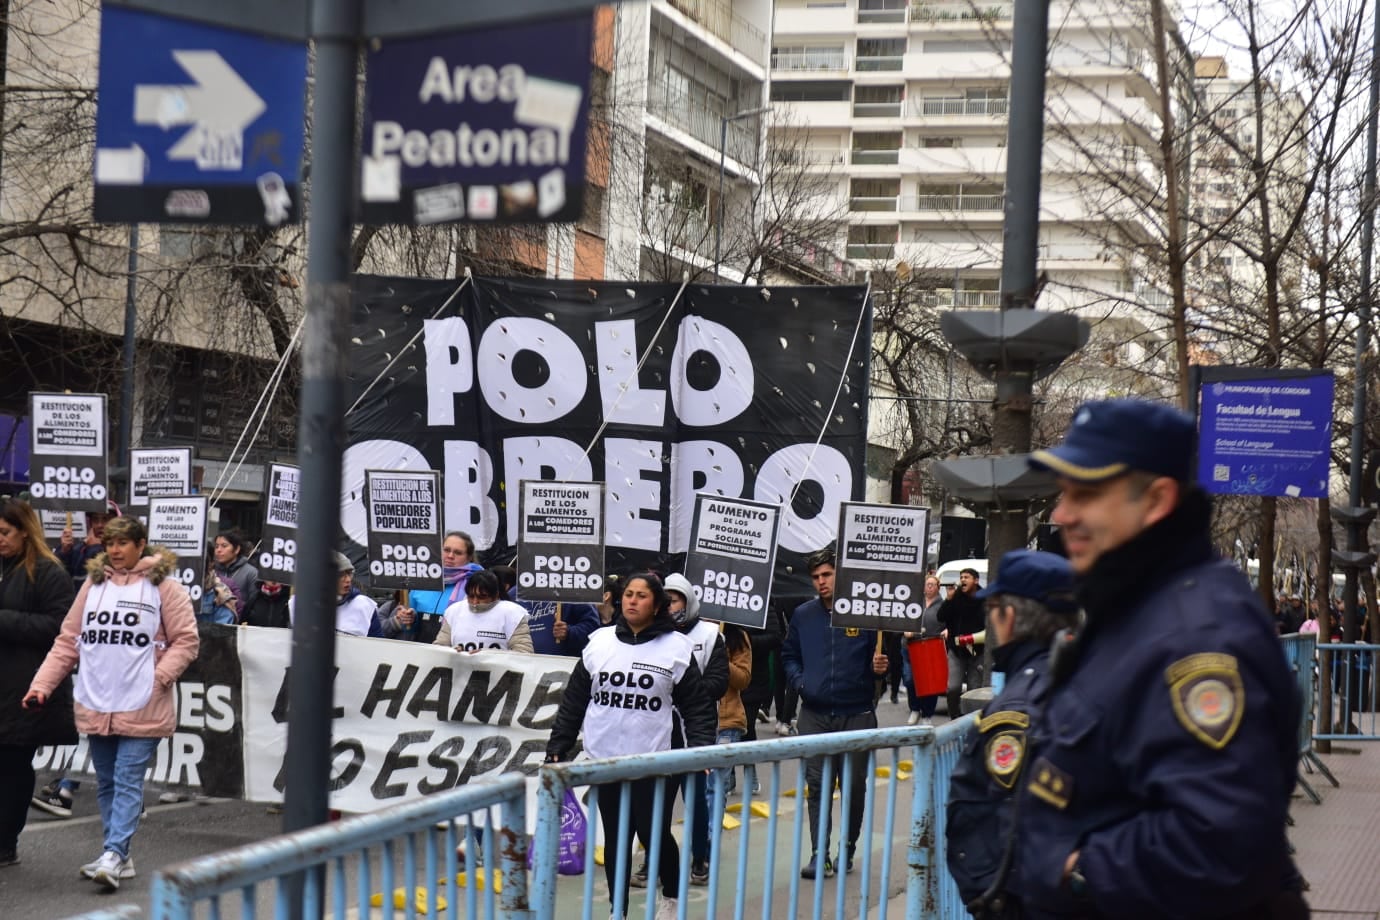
[{"x": 1338, "y": 842}]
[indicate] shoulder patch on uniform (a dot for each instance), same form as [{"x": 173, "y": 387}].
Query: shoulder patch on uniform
[
  {"x": 990, "y": 721},
  {"x": 1208, "y": 696},
  {"x": 1005, "y": 751}
]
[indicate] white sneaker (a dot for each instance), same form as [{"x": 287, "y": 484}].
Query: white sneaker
[
  {"x": 172, "y": 798},
  {"x": 126, "y": 870},
  {"x": 667, "y": 909},
  {"x": 913, "y": 718},
  {"x": 783, "y": 728},
  {"x": 109, "y": 870}
]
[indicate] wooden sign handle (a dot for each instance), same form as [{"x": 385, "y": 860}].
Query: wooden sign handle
[
  {"x": 879, "y": 642},
  {"x": 559, "y": 605}
]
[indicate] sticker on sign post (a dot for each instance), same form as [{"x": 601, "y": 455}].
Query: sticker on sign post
[
  {"x": 880, "y": 576},
  {"x": 404, "y": 525},
  {"x": 179, "y": 525},
  {"x": 155, "y": 472},
  {"x": 731, "y": 558},
  {"x": 68, "y": 467},
  {"x": 277, "y": 559},
  {"x": 560, "y": 549}
]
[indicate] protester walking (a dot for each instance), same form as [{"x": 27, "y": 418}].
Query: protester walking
[
  {"x": 35, "y": 595},
  {"x": 132, "y": 631}
]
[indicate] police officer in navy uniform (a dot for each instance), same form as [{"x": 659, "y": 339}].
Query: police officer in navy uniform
[
  {"x": 1031, "y": 600},
  {"x": 1158, "y": 776}
]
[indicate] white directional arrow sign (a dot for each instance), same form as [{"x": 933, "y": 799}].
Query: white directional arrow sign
[{"x": 219, "y": 106}]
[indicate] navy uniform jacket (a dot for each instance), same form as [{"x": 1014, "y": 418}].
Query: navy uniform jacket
[
  {"x": 830, "y": 668},
  {"x": 980, "y": 790},
  {"x": 1166, "y": 753}
]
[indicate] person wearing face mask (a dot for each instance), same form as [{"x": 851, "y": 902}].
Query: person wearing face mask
[
  {"x": 354, "y": 611},
  {"x": 482, "y": 621},
  {"x": 420, "y": 620},
  {"x": 268, "y": 605}
]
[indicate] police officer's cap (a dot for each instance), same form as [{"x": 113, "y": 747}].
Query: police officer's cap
[
  {"x": 1040, "y": 576},
  {"x": 1110, "y": 437}
]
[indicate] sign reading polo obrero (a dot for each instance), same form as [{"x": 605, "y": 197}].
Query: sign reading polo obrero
[
  {"x": 561, "y": 544},
  {"x": 486, "y": 125},
  {"x": 68, "y": 468},
  {"x": 881, "y": 566},
  {"x": 659, "y": 392},
  {"x": 731, "y": 558},
  {"x": 179, "y": 524},
  {"x": 404, "y": 528},
  {"x": 277, "y": 559}
]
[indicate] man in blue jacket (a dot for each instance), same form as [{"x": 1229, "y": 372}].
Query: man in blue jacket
[
  {"x": 1158, "y": 775},
  {"x": 835, "y": 672}
]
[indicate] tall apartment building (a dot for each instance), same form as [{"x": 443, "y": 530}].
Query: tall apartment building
[{"x": 907, "y": 101}]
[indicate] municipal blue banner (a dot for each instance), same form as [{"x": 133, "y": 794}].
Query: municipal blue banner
[{"x": 1266, "y": 435}]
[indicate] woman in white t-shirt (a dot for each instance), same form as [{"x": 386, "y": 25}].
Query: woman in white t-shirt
[
  {"x": 631, "y": 681},
  {"x": 483, "y": 621},
  {"x": 354, "y": 610}
]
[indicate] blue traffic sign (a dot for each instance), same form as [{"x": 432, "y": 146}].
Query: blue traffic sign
[
  {"x": 197, "y": 123},
  {"x": 483, "y": 125}
]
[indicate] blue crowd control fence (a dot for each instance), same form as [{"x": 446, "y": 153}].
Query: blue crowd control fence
[
  {"x": 398, "y": 860},
  {"x": 1355, "y": 693},
  {"x": 1301, "y": 650}
]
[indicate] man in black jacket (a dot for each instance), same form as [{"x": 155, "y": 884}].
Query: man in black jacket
[{"x": 963, "y": 620}]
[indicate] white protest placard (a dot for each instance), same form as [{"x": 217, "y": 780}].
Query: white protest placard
[
  {"x": 880, "y": 576},
  {"x": 179, "y": 524},
  {"x": 159, "y": 471},
  {"x": 561, "y": 541},
  {"x": 731, "y": 558},
  {"x": 68, "y": 467},
  {"x": 404, "y": 526}
]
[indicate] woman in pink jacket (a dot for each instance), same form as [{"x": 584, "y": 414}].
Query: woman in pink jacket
[{"x": 133, "y": 632}]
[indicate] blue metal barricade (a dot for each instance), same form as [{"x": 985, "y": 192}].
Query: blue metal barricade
[
  {"x": 1355, "y": 693},
  {"x": 395, "y": 858},
  {"x": 1301, "y": 650}
]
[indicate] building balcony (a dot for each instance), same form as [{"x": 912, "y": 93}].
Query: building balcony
[
  {"x": 954, "y": 107},
  {"x": 809, "y": 62},
  {"x": 718, "y": 17},
  {"x": 876, "y": 63},
  {"x": 871, "y": 250},
  {"x": 872, "y": 203},
  {"x": 883, "y": 11},
  {"x": 958, "y": 10},
  {"x": 741, "y": 142},
  {"x": 874, "y": 157},
  {"x": 877, "y": 109},
  {"x": 951, "y": 203}
]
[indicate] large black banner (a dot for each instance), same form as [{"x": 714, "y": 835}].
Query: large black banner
[{"x": 538, "y": 379}]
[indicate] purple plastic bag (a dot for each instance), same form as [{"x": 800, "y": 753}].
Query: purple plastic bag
[{"x": 570, "y": 858}]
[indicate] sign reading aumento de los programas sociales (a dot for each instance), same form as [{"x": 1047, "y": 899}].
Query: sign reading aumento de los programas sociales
[
  {"x": 1265, "y": 431},
  {"x": 485, "y": 125},
  {"x": 540, "y": 380}
]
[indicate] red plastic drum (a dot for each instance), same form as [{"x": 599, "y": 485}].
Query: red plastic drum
[{"x": 929, "y": 666}]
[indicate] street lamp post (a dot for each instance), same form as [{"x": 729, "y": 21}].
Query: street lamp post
[{"x": 723, "y": 145}]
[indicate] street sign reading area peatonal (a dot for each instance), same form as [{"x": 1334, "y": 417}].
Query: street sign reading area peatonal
[
  {"x": 486, "y": 125},
  {"x": 197, "y": 123}
]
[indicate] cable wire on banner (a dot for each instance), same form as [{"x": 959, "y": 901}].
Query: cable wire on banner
[
  {"x": 843, "y": 378},
  {"x": 632, "y": 378},
  {"x": 410, "y": 342},
  {"x": 268, "y": 393}
]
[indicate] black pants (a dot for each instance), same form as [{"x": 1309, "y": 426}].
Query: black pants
[
  {"x": 814, "y": 723},
  {"x": 786, "y": 698},
  {"x": 16, "y": 788},
  {"x": 641, "y": 798}
]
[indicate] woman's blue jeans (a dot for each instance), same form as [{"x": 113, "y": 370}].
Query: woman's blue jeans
[{"x": 120, "y": 763}]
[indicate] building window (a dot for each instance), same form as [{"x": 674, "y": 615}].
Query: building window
[{"x": 811, "y": 91}]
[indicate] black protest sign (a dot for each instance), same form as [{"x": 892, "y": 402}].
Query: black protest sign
[
  {"x": 159, "y": 471},
  {"x": 277, "y": 559},
  {"x": 880, "y": 576},
  {"x": 656, "y": 390},
  {"x": 731, "y": 558},
  {"x": 179, "y": 525},
  {"x": 404, "y": 528},
  {"x": 68, "y": 468},
  {"x": 561, "y": 541}
]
